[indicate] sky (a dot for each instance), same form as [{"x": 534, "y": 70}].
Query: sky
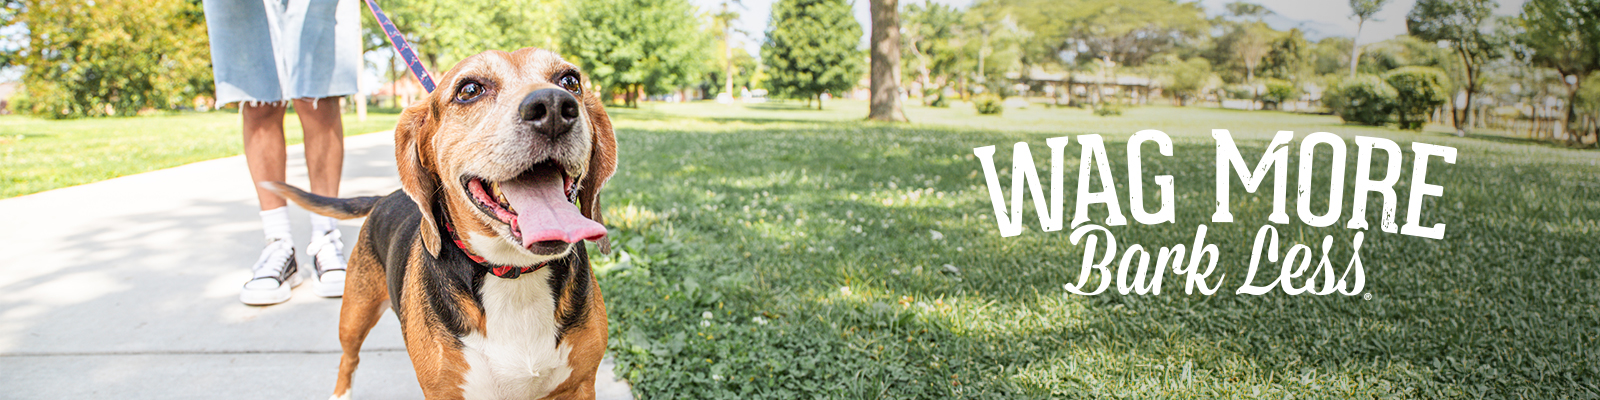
[{"x": 1329, "y": 17}]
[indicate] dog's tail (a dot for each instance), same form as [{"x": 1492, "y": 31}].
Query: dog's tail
[{"x": 341, "y": 208}]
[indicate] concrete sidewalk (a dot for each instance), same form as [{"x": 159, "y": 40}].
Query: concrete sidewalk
[{"x": 128, "y": 289}]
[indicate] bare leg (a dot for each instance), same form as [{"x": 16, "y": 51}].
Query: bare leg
[
  {"x": 324, "y": 133},
  {"x": 263, "y": 148}
]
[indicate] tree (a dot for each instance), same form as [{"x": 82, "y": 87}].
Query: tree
[
  {"x": 811, "y": 49},
  {"x": 1288, "y": 57},
  {"x": 1253, "y": 44},
  {"x": 1564, "y": 35},
  {"x": 1248, "y": 10},
  {"x": 636, "y": 47},
  {"x": 1462, "y": 24},
  {"x": 718, "y": 77},
  {"x": 1127, "y": 32},
  {"x": 724, "y": 20},
  {"x": 9, "y": 9},
  {"x": 112, "y": 57},
  {"x": 886, "y": 62},
  {"x": 444, "y": 32},
  {"x": 1330, "y": 55},
  {"x": 1362, "y": 10},
  {"x": 932, "y": 34},
  {"x": 1404, "y": 51},
  {"x": 993, "y": 40},
  {"x": 1189, "y": 78}
]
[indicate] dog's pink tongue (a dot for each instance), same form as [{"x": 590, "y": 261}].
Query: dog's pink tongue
[{"x": 543, "y": 213}]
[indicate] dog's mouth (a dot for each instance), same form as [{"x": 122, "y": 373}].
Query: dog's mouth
[{"x": 537, "y": 206}]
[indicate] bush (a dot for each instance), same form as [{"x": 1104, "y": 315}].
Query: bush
[
  {"x": 987, "y": 104},
  {"x": 1240, "y": 91},
  {"x": 1107, "y": 109},
  {"x": 938, "y": 97},
  {"x": 1364, "y": 99},
  {"x": 1279, "y": 91},
  {"x": 19, "y": 103},
  {"x": 1419, "y": 90}
]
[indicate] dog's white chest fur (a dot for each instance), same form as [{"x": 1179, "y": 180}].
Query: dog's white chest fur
[{"x": 517, "y": 357}]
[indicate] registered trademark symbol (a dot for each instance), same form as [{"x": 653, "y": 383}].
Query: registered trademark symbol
[{"x": 1366, "y": 296}]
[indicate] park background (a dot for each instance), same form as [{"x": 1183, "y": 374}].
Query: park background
[{"x": 776, "y": 242}]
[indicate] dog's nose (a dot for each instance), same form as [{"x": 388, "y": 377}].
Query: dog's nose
[{"x": 551, "y": 111}]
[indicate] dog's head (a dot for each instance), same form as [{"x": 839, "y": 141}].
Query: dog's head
[{"x": 503, "y": 146}]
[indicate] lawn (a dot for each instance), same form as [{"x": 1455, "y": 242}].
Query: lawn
[
  {"x": 772, "y": 252},
  {"x": 769, "y": 251},
  {"x": 38, "y": 154}
]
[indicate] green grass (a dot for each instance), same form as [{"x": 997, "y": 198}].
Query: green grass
[
  {"x": 38, "y": 154},
  {"x": 766, "y": 214},
  {"x": 762, "y": 215}
]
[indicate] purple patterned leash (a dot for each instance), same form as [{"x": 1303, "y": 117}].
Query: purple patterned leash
[{"x": 402, "y": 46}]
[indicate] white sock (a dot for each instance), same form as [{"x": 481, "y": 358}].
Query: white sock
[
  {"x": 275, "y": 223},
  {"x": 321, "y": 225}
]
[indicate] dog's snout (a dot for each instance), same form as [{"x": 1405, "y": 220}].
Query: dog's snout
[{"x": 551, "y": 111}]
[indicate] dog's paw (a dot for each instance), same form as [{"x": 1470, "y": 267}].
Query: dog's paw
[{"x": 345, "y": 396}]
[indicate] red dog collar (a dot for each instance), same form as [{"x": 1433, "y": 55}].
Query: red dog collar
[{"x": 504, "y": 272}]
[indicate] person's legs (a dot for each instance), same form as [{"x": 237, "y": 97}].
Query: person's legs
[
  {"x": 324, "y": 135},
  {"x": 274, "y": 273},
  {"x": 264, "y": 149}
]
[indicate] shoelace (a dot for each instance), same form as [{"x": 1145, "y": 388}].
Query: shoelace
[
  {"x": 328, "y": 249},
  {"x": 273, "y": 259}
]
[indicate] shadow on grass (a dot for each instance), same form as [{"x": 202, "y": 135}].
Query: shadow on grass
[
  {"x": 1499, "y": 138},
  {"x": 775, "y": 223}
]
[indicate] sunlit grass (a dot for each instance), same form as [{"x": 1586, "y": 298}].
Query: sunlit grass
[
  {"x": 764, "y": 217},
  {"x": 40, "y": 154},
  {"x": 847, "y": 259}
]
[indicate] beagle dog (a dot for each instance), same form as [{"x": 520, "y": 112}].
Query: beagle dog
[{"x": 480, "y": 254}]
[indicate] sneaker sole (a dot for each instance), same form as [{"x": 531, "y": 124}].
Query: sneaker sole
[
  {"x": 270, "y": 297},
  {"x": 328, "y": 290}
]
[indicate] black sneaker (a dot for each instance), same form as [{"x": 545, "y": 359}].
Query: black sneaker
[
  {"x": 275, "y": 275},
  {"x": 327, "y": 258}
]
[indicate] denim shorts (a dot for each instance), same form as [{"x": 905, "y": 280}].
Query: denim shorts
[{"x": 279, "y": 50}]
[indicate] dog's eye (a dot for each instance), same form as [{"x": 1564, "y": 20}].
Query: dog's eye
[
  {"x": 571, "y": 83},
  {"x": 468, "y": 91}
]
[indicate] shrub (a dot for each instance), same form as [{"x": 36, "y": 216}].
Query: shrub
[
  {"x": 987, "y": 104},
  {"x": 1279, "y": 91},
  {"x": 1364, "y": 99},
  {"x": 1108, "y": 109},
  {"x": 1419, "y": 90},
  {"x": 1240, "y": 91},
  {"x": 938, "y": 97}
]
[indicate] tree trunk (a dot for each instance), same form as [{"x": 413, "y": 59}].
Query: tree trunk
[
  {"x": 1466, "y": 113},
  {"x": 1466, "y": 109},
  {"x": 922, "y": 73},
  {"x": 1572, "y": 109},
  {"x": 1355, "y": 47},
  {"x": 394, "y": 84},
  {"x": 727, "y": 43},
  {"x": 886, "y": 62}
]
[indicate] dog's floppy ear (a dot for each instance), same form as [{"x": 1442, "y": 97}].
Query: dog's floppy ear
[
  {"x": 602, "y": 163},
  {"x": 412, "y": 149}
]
